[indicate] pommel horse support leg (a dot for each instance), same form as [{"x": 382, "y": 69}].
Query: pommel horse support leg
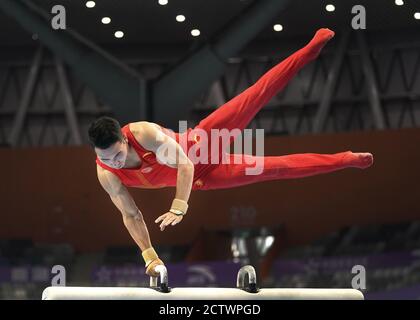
[{"x": 243, "y": 291}]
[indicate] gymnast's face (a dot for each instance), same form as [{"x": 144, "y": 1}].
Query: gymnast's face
[{"x": 115, "y": 155}]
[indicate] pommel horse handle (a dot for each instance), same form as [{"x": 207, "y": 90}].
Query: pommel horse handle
[
  {"x": 252, "y": 279},
  {"x": 163, "y": 275}
]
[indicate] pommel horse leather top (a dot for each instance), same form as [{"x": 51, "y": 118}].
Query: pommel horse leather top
[{"x": 243, "y": 291}]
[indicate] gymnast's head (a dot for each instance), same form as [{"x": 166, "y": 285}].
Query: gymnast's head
[{"x": 109, "y": 143}]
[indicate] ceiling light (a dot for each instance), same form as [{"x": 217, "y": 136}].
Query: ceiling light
[
  {"x": 163, "y": 2},
  {"x": 106, "y": 20},
  {"x": 417, "y": 15},
  {"x": 278, "y": 27},
  {"x": 195, "y": 32},
  {"x": 90, "y": 4},
  {"x": 119, "y": 34},
  {"x": 399, "y": 2},
  {"x": 330, "y": 8},
  {"x": 180, "y": 18}
]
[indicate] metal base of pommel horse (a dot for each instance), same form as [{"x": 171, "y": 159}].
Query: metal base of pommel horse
[{"x": 243, "y": 291}]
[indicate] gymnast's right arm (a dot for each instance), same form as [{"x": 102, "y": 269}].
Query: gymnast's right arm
[{"x": 132, "y": 217}]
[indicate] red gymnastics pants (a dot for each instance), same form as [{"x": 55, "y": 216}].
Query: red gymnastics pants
[{"x": 239, "y": 112}]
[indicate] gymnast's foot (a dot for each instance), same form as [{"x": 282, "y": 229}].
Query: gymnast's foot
[
  {"x": 322, "y": 36},
  {"x": 358, "y": 160}
]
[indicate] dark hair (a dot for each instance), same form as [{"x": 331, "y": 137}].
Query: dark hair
[{"x": 104, "y": 132}]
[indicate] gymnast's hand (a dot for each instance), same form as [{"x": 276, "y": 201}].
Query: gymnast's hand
[
  {"x": 150, "y": 269},
  {"x": 167, "y": 219}
]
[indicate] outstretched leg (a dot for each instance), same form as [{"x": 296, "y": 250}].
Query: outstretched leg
[
  {"x": 231, "y": 175},
  {"x": 239, "y": 112}
]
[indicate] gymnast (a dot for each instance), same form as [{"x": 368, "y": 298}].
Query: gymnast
[{"x": 130, "y": 157}]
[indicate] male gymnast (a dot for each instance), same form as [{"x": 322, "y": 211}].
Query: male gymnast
[{"x": 130, "y": 157}]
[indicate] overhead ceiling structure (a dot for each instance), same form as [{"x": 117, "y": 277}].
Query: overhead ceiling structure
[
  {"x": 147, "y": 22},
  {"x": 209, "y": 33},
  {"x": 126, "y": 91}
]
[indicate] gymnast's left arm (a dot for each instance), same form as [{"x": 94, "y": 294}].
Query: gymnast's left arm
[{"x": 170, "y": 153}]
